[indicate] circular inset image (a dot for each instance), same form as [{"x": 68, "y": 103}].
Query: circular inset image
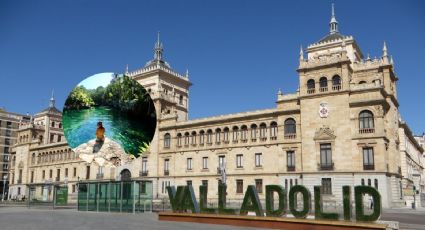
[{"x": 109, "y": 118}]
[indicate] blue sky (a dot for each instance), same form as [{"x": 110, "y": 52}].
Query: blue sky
[
  {"x": 243, "y": 50},
  {"x": 100, "y": 79}
]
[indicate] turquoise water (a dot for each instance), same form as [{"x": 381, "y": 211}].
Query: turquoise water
[{"x": 80, "y": 127}]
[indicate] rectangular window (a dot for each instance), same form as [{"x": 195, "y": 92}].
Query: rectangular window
[
  {"x": 144, "y": 165},
  {"x": 204, "y": 162},
  {"x": 258, "y": 160},
  {"x": 51, "y": 173},
  {"x": 75, "y": 172},
  {"x": 290, "y": 160},
  {"x": 221, "y": 161},
  {"x": 188, "y": 182},
  {"x": 58, "y": 174},
  {"x": 189, "y": 163},
  {"x": 166, "y": 165},
  {"x": 59, "y": 138},
  {"x": 259, "y": 185},
  {"x": 239, "y": 186},
  {"x": 32, "y": 176},
  {"x": 73, "y": 188},
  {"x": 88, "y": 172},
  {"x": 239, "y": 161},
  {"x": 326, "y": 186},
  {"x": 7, "y": 141},
  {"x": 43, "y": 174},
  {"x": 52, "y": 137},
  {"x": 326, "y": 156},
  {"x": 66, "y": 172},
  {"x": 6, "y": 149},
  {"x": 368, "y": 161}
]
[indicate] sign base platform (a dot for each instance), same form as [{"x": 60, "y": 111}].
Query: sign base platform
[{"x": 269, "y": 222}]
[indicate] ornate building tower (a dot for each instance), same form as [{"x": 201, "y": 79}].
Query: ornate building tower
[{"x": 169, "y": 90}]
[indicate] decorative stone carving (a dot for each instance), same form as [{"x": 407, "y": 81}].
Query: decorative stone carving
[{"x": 324, "y": 133}]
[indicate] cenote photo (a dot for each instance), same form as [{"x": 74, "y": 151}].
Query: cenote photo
[{"x": 110, "y": 107}]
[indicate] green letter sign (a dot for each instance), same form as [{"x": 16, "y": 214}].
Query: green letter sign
[
  {"x": 281, "y": 194},
  {"x": 293, "y": 201},
  {"x": 359, "y": 191},
  {"x": 251, "y": 202}
]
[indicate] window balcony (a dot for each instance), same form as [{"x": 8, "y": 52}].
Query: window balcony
[
  {"x": 254, "y": 140},
  {"x": 311, "y": 91},
  {"x": 57, "y": 178},
  {"x": 290, "y": 168},
  {"x": 166, "y": 173},
  {"x": 368, "y": 167},
  {"x": 144, "y": 173},
  {"x": 366, "y": 130},
  {"x": 273, "y": 138},
  {"x": 326, "y": 166},
  {"x": 263, "y": 139},
  {"x": 323, "y": 89},
  {"x": 337, "y": 87},
  {"x": 290, "y": 136},
  {"x": 244, "y": 140}
]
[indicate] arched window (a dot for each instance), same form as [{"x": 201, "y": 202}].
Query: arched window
[
  {"x": 226, "y": 135},
  {"x": 186, "y": 138},
  {"x": 60, "y": 125},
  {"x": 201, "y": 137},
  {"x": 53, "y": 124},
  {"x": 209, "y": 136},
  {"x": 125, "y": 175},
  {"x": 235, "y": 131},
  {"x": 217, "y": 135},
  {"x": 253, "y": 132},
  {"x": 311, "y": 85},
  {"x": 263, "y": 131},
  {"x": 290, "y": 128},
  {"x": 179, "y": 140},
  {"x": 362, "y": 82},
  {"x": 244, "y": 133},
  {"x": 33, "y": 158},
  {"x": 167, "y": 140},
  {"x": 273, "y": 130},
  {"x": 336, "y": 82},
  {"x": 366, "y": 124},
  {"x": 193, "y": 140},
  {"x": 323, "y": 82}
]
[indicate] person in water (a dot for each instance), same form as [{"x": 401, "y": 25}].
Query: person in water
[{"x": 100, "y": 132}]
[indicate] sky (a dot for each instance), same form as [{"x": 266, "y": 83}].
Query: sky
[
  {"x": 100, "y": 79},
  {"x": 239, "y": 52}
]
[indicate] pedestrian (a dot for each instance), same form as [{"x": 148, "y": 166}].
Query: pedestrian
[{"x": 371, "y": 202}]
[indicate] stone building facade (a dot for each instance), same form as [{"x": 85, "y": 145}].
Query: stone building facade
[
  {"x": 42, "y": 158},
  {"x": 9, "y": 123},
  {"x": 341, "y": 127}
]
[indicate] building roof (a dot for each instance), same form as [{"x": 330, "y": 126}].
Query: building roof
[{"x": 332, "y": 37}]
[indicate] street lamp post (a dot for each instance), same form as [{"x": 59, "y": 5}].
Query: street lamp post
[{"x": 4, "y": 186}]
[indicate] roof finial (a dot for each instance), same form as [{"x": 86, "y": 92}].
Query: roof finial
[
  {"x": 391, "y": 60},
  {"x": 187, "y": 73},
  {"x": 158, "y": 49},
  {"x": 301, "y": 53},
  {"x": 333, "y": 25},
  {"x": 52, "y": 100},
  {"x": 384, "y": 50},
  {"x": 126, "y": 69}
]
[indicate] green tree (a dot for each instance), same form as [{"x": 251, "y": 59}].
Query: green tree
[{"x": 79, "y": 98}]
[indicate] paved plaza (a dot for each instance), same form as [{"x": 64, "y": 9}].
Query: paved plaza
[{"x": 22, "y": 218}]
